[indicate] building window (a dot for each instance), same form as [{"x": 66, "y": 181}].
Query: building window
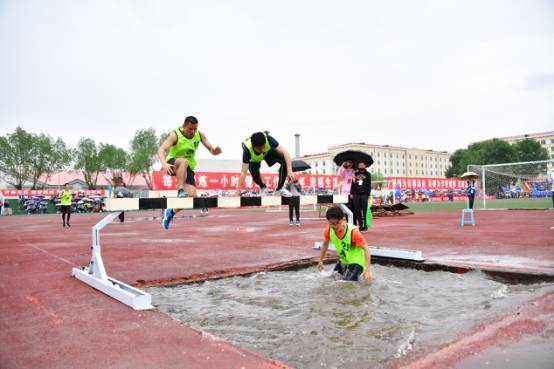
[{"x": 543, "y": 142}]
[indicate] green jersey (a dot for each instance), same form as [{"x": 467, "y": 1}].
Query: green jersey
[
  {"x": 185, "y": 148},
  {"x": 348, "y": 252}
]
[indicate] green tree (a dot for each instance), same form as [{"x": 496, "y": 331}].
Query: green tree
[
  {"x": 529, "y": 150},
  {"x": 29, "y": 157},
  {"x": 48, "y": 156},
  {"x": 114, "y": 160},
  {"x": 144, "y": 148},
  {"x": 16, "y": 161},
  {"x": 493, "y": 151},
  {"x": 89, "y": 161},
  {"x": 456, "y": 168}
]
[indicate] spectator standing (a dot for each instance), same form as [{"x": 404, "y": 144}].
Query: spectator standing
[
  {"x": 450, "y": 195},
  {"x": 345, "y": 173},
  {"x": 471, "y": 192},
  {"x": 295, "y": 189},
  {"x": 361, "y": 190},
  {"x": 7, "y": 209}
]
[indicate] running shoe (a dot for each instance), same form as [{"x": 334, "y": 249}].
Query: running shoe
[
  {"x": 284, "y": 193},
  {"x": 168, "y": 217},
  {"x": 181, "y": 193}
]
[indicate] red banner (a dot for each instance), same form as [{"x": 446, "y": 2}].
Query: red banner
[
  {"x": 419, "y": 183},
  {"x": 16, "y": 193},
  {"x": 229, "y": 181}
]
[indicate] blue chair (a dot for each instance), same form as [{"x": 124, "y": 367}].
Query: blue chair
[{"x": 471, "y": 219}]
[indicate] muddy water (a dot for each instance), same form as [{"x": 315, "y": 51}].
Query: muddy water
[{"x": 312, "y": 320}]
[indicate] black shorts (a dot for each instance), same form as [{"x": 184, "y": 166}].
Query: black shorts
[
  {"x": 349, "y": 272},
  {"x": 190, "y": 173}
]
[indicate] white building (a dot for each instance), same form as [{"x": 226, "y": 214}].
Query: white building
[{"x": 388, "y": 160}]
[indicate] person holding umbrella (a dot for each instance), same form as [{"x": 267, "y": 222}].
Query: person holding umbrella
[
  {"x": 361, "y": 190},
  {"x": 470, "y": 177}
]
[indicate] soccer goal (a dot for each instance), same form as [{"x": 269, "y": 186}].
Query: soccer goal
[{"x": 514, "y": 185}]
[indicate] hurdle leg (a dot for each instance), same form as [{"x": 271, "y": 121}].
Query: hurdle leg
[{"x": 95, "y": 274}]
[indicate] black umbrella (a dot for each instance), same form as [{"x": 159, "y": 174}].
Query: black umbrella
[
  {"x": 300, "y": 165},
  {"x": 354, "y": 155}
]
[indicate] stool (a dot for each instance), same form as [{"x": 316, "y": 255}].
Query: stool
[{"x": 471, "y": 219}]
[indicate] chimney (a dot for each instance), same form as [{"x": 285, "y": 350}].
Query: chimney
[{"x": 297, "y": 145}]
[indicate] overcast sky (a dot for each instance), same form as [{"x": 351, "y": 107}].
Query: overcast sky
[{"x": 426, "y": 74}]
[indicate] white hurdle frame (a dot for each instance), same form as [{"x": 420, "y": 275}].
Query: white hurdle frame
[{"x": 95, "y": 274}]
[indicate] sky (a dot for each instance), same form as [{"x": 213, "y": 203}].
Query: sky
[{"x": 436, "y": 74}]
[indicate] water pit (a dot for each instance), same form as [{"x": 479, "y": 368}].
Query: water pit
[{"x": 312, "y": 320}]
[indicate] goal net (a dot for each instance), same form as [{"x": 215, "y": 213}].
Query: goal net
[{"x": 514, "y": 185}]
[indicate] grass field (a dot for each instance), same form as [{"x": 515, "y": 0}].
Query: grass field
[{"x": 540, "y": 203}]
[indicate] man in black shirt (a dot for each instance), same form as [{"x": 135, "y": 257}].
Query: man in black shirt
[{"x": 360, "y": 191}]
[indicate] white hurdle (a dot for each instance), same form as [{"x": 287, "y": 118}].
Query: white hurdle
[{"x": 95, "y": 274}]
